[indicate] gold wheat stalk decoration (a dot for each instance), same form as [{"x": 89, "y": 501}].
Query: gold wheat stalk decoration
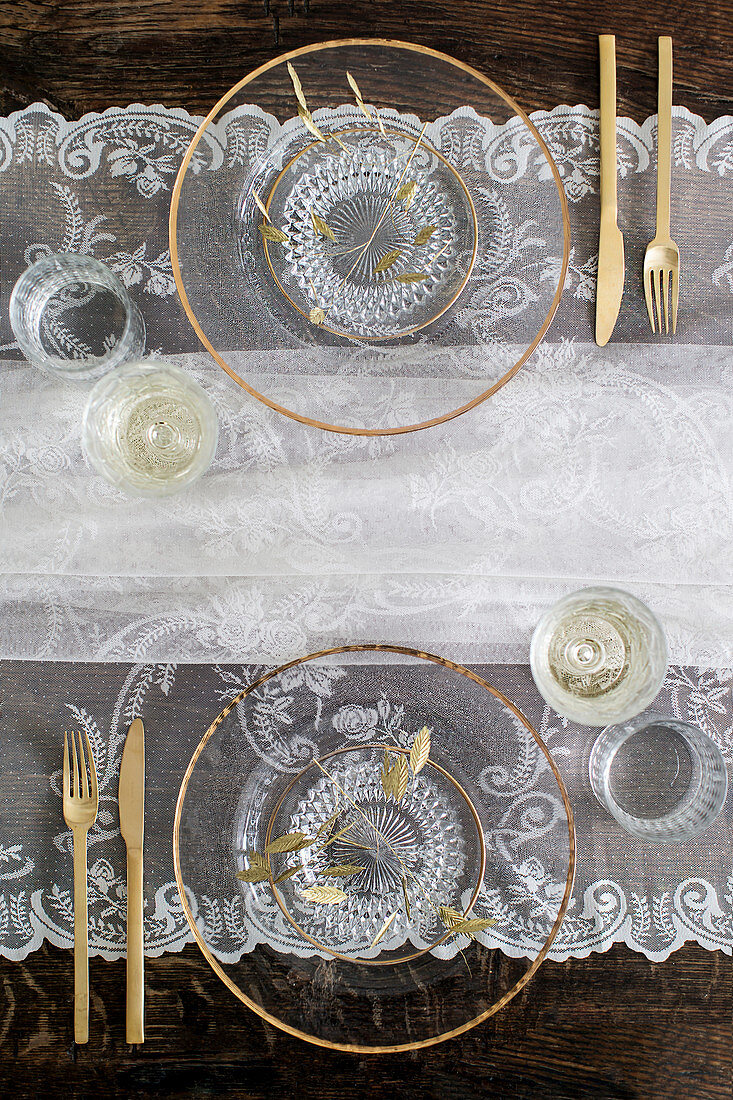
[
  {"x": 383, "y": 215},
  {"x": 394, "y": 782},
  {"x": 457, "y": 923},
  {"x": 317, "y": 313},
  {"x": 381, "y": 836}
]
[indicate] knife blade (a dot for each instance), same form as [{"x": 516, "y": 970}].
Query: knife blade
[
  {"x": 132, "y": 813},
  {"x": 611, "y": 268}
]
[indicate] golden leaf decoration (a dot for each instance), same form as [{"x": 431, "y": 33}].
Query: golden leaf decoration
[
  {"x": 420, "y": 750},
  {"x": 303, "y": 110},
  {"x": 406, "y": 193},
  {"x": 288, "y": 873},
  {"x": 407, "y": 900},
  {"x": 359, "y": 98},
  {"x": 343, "y": 870},
  {"x": 425, "y": 234},
  {"x": 297, "y": 87},
  {"x": 388, "y": 260},
  {"x": 338, "y": 834},
  {"x": 386, "y": 775},
  {"x": 450, "y": 917},
  {"x": 272, "y": 233},
  {"x": 360, "y": 102},
  {"x": 253, "y": 874},
  {"x": 324, "y": 895},
  {"x": 257, "y": 860},
  {"x": 383, "y": 929},
  {"x": 328, "y": 824},
  {"x": 262, "y": 206},
  {"x": 401, "y": 778},
  {"x": 459, "y": 924},
  {"x": 474, "y": 924},
  {"x": 317, "y": 315},
  {"x": 321, "y": 226},
  {"x": 412, "y": 277},
  {"x": 290, "y": 842},
  {"x": 307, "y": 119}
]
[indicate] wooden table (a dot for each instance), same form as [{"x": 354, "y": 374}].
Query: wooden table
[{"x": 610, "y": 1026}]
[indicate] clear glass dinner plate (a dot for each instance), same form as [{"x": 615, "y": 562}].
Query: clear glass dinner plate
[
  {"x": 373, "y": 848},
  {"x": 369, "y": 236}
]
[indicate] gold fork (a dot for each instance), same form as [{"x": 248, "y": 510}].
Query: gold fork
[
  {"x": 662, "y": 257},
  {"x": 80, "y": 802}
]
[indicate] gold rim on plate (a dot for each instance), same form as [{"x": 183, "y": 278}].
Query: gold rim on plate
[
  {"x": 216, "y": 965},
  {"x": 345, "y": 429}
]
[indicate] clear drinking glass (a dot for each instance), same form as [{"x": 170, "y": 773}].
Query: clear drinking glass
[
  {"x": 598, "y": 656},
  {"x": 73, "y": 317},
  {"x": 663, "y": 780},
  {"x": 149, "y": 428}
]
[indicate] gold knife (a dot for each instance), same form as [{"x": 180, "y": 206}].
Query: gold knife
[
  {"x": 610, "y": 285},
  {"x": 132, "y": 810}
]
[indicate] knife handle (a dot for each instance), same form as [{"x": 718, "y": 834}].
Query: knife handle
[
  {"x": 607, "y": 50},
  {"x": 135, "y": 1032},
  {"x": 664, "y": 136}
]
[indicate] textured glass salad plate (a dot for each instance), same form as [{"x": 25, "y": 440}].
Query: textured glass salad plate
[
  {"x": 384, "y": 827},
  {"x": 369, "y": 236}
]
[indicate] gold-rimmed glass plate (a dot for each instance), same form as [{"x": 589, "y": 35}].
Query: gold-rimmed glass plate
[
  {"x": 343, "y": 932},
  {"x": 369, "y": 236}
]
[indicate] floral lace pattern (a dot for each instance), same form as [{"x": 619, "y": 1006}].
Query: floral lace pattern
[
  {"x": 592, "y": 464},
  {"x": 653, "y": 898}
]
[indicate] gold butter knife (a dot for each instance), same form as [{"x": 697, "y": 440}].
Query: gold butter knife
[
  {"x": 610, "y": 285},
  {"x": 132, "y": 810}
]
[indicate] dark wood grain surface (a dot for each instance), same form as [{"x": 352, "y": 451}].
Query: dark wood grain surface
[
  {"x": 84, "y": 55},
  {"x": 610, "y": 1026}
]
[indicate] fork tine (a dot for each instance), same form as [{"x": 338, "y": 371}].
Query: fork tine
[
  {"x": 83, "y": 768},
  {"x": 665, "y": 296},
  {"x": 675, "y": 298},
  {"x": 92, "y": 768},
  {"x": 648, "y": 297},
  {"x": 67, "y": 780},
  {"x": 658, "y": 297},
  {"x": 75, "y": 785}
]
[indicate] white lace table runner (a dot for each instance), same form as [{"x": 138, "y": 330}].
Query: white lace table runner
[
  {"x": 653, "y": 898},
  {"x": 592, "y": 464}
]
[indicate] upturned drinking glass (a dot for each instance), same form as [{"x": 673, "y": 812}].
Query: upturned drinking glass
[
  {"x": 662, "y": 779},
  {"x": 598, "y": 656},
  {"x": 149, "y": 428},
  {"x": 73, "y": 318}
]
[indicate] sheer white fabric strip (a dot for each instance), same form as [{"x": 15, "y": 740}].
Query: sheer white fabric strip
[
  {"x": 273, "y": 619},
  {"x": 587, "y": 467}
]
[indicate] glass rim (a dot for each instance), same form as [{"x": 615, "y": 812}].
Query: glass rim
[
  {"x": 104, "y": 387},
  {"x": 563, "y": 702},
  {"x": 88, "y": 264},
  {"x": 655, "y": 830}
]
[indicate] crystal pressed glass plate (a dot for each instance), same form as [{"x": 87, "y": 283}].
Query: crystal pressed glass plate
[
  {"x": 428, "y": 239},
  {"x": 369, "y": 236},
  {"x": 352, "y": 812}
]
